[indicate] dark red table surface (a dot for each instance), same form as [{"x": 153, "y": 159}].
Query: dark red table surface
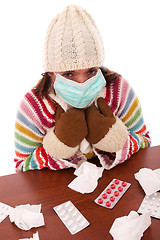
[{"x": 50, "y": 188}]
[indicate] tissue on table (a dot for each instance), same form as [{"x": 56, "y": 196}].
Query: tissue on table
[
  {"x": 35, "y": 237},
  {"x": 87, "y": 178},
  {"x": 149, "y": 180},
  {"x": 5, "y": 210},
  {"x": 27, "y": 216},
  {"x": 130, "y": 227}
]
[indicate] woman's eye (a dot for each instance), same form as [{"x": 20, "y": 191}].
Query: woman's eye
[
  {"x": 91, "y": 72},
  {"x": 67, "y": 74}
]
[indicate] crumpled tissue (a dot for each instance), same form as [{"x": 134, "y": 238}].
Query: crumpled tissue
[
  {"x": 87, "y": 178},
  {"x": 27, "y": 216},
  {"x": 35, "y": 237},
  {"x": 149, "y": 180},
  {"x": 130, "y": 227}
]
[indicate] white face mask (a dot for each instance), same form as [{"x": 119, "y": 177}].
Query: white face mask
[{"x": 79, "y": 95}]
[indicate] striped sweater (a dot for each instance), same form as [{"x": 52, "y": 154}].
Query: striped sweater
[{"x": 36, "y": 116}]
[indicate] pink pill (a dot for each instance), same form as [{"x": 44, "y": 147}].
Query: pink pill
[
  {"x": 104, "y": 196},
  {"x": 116, "y": 181},
  {"x": 124, "y": 184},
  {"x": 112, "y": 198},
  {"x": 116, "y": 193},
  {"x": 108, "y": 204},
  {"x": 100, "y": 200},
  {"x": 113, "y": 186},
  {"x": 120, "y": 189},
  {"x": 108, "y": 191}
]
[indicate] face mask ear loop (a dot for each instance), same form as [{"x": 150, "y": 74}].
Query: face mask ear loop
[
  {"x": 55, "y": 78},
  {"x": 54, "y": 82}
]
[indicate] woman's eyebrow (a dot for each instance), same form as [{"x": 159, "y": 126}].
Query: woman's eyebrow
[
  {"x": 69, "y": 71},
  {"x": 92, "y": 68}
]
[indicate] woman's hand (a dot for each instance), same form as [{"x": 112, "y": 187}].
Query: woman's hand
[
  {"x": 70, "y": 126},
  {"x": 99, "y": 121}
]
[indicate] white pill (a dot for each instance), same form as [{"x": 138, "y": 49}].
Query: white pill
[
  {"x": 67, "y": 204},
  {"x": 74, "y": 228},
  {"x": 62, "y": 213},
  {"x": 82, "y": 223},
  {"x": 59, "y": 208},
  {"x": 70, "y": 223},
  {"x": 66, "y": 217},
  {"x": 70, "y": 209},
  {"x": 79, "y": 218},
  {"x": 74, "y": 213}
]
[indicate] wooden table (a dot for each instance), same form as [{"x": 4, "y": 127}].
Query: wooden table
[{"x": 50, "y": 189}]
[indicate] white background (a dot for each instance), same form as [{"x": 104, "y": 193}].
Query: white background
[{"x": 131, "y": 33}]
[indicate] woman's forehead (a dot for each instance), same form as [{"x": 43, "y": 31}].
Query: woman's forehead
[{"x": 81, "y": 71}]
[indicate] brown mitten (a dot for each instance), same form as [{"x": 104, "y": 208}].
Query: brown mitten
[
  {"x": 99, "y": 121},
  {"x": 70, "y": 126}
]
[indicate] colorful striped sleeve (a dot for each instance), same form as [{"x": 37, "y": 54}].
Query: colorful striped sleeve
[
  {"x": 124, "y": 103},
  {"x": 35, "y": 117}
]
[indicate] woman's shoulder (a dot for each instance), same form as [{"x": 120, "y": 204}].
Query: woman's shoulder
[
  {"x": 42, "y": 104},
  {"x": 119, "y": 81},
  {"x": 117, "y": 93},
  {"x": 119, "y": 88}
]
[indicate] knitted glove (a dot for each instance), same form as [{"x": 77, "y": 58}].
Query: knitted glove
[
  {"x": 105, "y": 132},
  {"x": 99, "y": 121},
  {"x": 70, "y": 126}
]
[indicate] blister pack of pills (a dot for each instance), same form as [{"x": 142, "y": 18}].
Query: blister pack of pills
[
  {"x": 151, "y": 204},
  {"x": 71, "y": 217},
  {"x": 5, "y": 210},
  {"x": 112, "y": 193}
]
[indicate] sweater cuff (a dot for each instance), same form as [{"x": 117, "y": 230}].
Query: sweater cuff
[
  {"x": 115, "y": 139},
  {"x": 55, "y": 148}
]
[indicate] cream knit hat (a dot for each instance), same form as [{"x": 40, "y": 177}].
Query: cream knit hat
[{"x": 72, "y": 42}]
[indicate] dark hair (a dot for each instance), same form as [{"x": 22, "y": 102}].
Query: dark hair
[{"x": 44, "y": 86}]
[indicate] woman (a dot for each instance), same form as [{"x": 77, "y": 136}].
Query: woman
[{"x": 79, "y": 108}]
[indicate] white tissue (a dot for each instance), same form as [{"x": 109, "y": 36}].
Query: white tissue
[
  {"x": 149, "y": 180},
  {"x": 35, "y": 237},
  {"x": 130, "y": 227},
  {"x": 5, "y": 210},
  {"x": 85, "y": 146},
  {"x": 27, "y": 216},
  {"x": 87, "y": 178}
]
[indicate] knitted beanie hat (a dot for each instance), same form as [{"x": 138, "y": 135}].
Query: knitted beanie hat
[{"x": 73, "y": 42}]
